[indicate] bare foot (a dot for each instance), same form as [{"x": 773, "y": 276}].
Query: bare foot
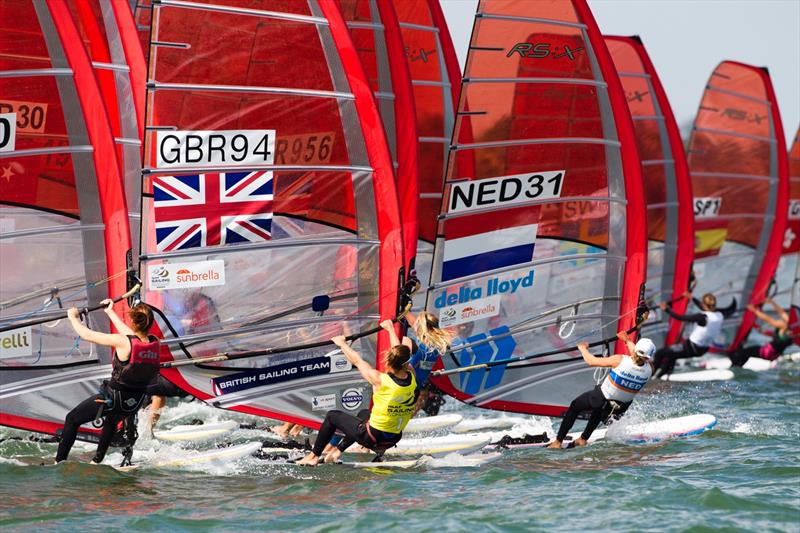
[
  {"x": 281, "y": 431},
  {"x": 556, "y": 445},
  {"x": 296, "y": 430},
  {"x": 580, "y": 441},
  {"x": 328, "y": 449},
  {"x": 334, "y": 456},
  {"x": 309, "y": 460}
]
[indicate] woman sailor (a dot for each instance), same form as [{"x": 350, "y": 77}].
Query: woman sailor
[
  {"x": 431, "y": 343},
  {"x": 134, "y": 365},
  {"x": 393, "y": 401},
  {"x": 613, "y": 397},
  {"x": 707, "y": 326},
  {"x": 781, "y": 336}
]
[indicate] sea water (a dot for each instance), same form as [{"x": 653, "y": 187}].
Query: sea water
[{"x": 743, "y": 475}]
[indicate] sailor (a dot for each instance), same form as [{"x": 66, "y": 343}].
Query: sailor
[
  {"x": 431, "y": 343},
  {"x": 159, "y": 390},
  {"x": 781, "y": 336},
  {"x": 134, "y": 365},
  {"x": 707, "y": 326},
  {"x": 611, "y": 398},
  {"x": 200, "y": 316},
  {"x": 393, "y": 400}
]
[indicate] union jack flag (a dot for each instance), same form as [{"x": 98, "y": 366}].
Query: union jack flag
[{"x": 212, "y": 209}]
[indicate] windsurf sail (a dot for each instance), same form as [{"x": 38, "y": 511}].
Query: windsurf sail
[
  {"x": 544, "y": 245},
  {"x": 667, "y": 186},
  {"x": 740, "y": 184},
  {"x": 109, "y": 35},
  {"x": 435, "y": 76},
  {"x": 785, "y": 289},
  {"x": 376, "y": 35},
  {"x": 270, "y": 212},
  {"x": 64, "y": 228}
]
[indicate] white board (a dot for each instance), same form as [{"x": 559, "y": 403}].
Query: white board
[
  {"x": 754, "y": 364},
  {"x": 196, "y": 433},
  {"x": 683, "y": 426},
  {"x": 211, "y": 456},
  {"x": 450, "y": 461},
  {"x": 434, "y": 446},
  {"x": 431, "y": 423},
  {"x": 484, "y": 423},
  {"x": 700, "y": 375},
  {"x": 679, "y": 427}
]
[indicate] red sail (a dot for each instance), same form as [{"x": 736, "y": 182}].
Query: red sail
[
  {"x": 109, "y": 35},
  {"x": 376, "y": 35},
  {"x": 667, "y": 185},
  {"x": 63, "y": 215},
  {"x": 740, "y": 184},
  {"x": 288, "y": 197},
  {"x": 543, "y": 245},
  {"x": 435, "y": 76}
]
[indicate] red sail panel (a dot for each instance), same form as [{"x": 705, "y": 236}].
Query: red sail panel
[
  {"x": 109, "y": 35},
  {"x": 268, "y": 184},
  {"x": 63, "y": 216},
  {"x": 435, "y": 76},
  {"x": 791, "y": 241},
  {"x": 376, "y": 36},
  {"x": 786, "y": 289},
  {"x": 740, "y": 184},
  {"x": 544, "y": 244},
  {"x": 668, "y": 188}
]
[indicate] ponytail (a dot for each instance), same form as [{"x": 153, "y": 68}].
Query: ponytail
[
  {"x": 397, "y": 357},
  {"x": 428, "y": 332}
]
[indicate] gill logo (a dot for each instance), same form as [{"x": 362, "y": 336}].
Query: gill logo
[
  {"x": 500, "y": 348},
  {"x": 542, "y": 50}
]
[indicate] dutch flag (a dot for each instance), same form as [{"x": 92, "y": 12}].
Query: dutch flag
[{"x": 480, "y": 243}]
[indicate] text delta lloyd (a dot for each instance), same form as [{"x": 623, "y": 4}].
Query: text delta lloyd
[{"x": 493, "y": 286}]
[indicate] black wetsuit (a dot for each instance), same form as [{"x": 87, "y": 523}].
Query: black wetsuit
[
  {"x": 161, "y": 386},
  {"x": 600, "y": 408},
  {"x": 357, "y": 428},
  {"x": 665, "y": 358},
  {"x": 126, "y": 392},
  {"x": 774, "y": 349}
]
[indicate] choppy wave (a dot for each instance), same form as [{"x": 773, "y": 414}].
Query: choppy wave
[{"x": 742, "y": 475}]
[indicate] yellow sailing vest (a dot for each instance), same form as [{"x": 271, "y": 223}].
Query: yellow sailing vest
[{"x": 392, "y": 405}]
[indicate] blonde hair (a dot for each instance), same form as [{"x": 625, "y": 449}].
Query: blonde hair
[
  {"x": 710, "y": 301},
  {"x": 638, "y": 360},
  {"x": 396, "y": 357},
  {"x": 428, "y": 332}
]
